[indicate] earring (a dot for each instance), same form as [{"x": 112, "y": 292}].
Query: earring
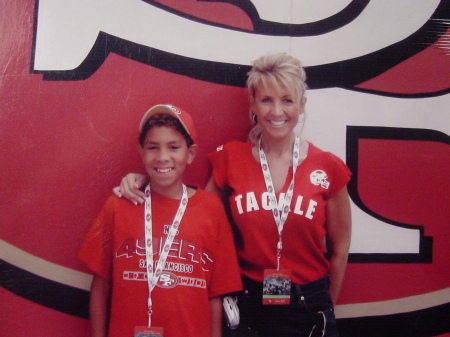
[{"x": 255, "y": 119}]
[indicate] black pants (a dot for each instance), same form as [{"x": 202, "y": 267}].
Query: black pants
[{"x": 310, "y": 312}]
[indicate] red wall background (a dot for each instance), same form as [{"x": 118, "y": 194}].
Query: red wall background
[{"x": 67, "y": 140}]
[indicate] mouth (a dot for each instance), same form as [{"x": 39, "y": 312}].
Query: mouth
[
  {"x": 277, "y": 123},
  {"x": 164, "y": 170}
]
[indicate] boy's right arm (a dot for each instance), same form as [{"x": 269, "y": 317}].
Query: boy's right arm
[
  {"x": 99, "y": 305},
  {"x": 129, "y": 188}
]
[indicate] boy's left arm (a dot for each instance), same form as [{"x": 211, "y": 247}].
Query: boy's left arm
[{"x": 215, "y": 308}]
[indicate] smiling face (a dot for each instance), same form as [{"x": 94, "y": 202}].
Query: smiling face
[
  {"x": 165, "y": 155},
  {"x": 278, "y": 110}
]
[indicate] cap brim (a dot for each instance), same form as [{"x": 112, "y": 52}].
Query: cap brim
[{"x": 160, "y": 108}]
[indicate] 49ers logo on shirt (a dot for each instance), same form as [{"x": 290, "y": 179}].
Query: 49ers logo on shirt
[
  {"x": 170, "y": 280},
  {"x": 167, "y": 280}
]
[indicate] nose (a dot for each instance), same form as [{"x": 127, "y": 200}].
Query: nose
[
  {"x": 277, "y": 108},
  {"x": 163, "y": 155}
]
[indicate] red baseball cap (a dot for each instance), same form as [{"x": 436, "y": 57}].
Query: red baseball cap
[{"x": 185, "y": 119}]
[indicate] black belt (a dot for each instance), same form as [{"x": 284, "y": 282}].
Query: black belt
[
  {"x": 255, "y": 287},
  {"x": 311, "y": 287}
]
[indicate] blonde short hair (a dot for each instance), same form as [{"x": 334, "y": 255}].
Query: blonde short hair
[
  {"x": 277, "y": 69},
  {"x": 280, "y": 68}
]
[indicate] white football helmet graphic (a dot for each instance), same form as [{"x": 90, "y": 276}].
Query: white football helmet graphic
[{"x": 319, "y": 177}]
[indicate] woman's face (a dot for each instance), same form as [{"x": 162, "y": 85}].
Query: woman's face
[{"x": 277, "y": 109}]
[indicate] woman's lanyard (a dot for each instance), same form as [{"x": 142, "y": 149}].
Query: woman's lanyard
[
  {"x": 153, "y": 276},
  {"x": 280, "y": 218}
]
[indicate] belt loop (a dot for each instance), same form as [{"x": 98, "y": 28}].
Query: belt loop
[{"x": 298, "y": 293}]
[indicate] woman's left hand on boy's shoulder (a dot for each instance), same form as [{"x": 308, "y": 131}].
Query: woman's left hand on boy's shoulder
[{"x": 130, "y": 188}]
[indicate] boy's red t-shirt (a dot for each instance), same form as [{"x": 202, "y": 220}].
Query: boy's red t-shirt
[{"x": 202, "y": 263}]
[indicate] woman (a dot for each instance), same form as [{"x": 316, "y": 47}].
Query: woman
[{"x": 285, "y": 197}]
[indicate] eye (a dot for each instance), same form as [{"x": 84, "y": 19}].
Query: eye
[
  {"x": 174, "y": 146},
  {"x": 288, "y": 100},
  {"x": 266, "y": 100}
]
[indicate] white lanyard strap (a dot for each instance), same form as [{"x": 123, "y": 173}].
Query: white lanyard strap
[
  {"x": 153, "y": 276},
  {"x": 280, "y": 218}
]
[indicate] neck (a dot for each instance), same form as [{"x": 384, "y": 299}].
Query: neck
[
  {"x": 171, "y": 192},
  {"x": 278, "y": 147}
]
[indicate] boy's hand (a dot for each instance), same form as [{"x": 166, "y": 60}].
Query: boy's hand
[{"x": 129, "y": 188}]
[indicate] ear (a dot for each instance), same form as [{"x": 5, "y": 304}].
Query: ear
[
  {"x": 302, "y": 104},
  {"x": 192, "y": 153},
  {"x": 303, "y": 101}
]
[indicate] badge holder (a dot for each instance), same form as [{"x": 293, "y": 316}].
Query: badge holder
[
  {"x": 277, "y": 287},
  {"x": 144, "y": 331},
  {"x": 277, "y": 282}
]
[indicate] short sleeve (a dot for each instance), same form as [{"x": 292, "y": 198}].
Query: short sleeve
[
  {"x": 340, "y": 175},
  {"x": 219, "y": 160},
  {"x": 225, "y": 276},
  {"x": 97, "y": 247}
]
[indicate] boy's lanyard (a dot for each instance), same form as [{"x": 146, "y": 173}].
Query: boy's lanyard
[
  {"x": 153, "y": 276},
  {"x": 280, "y": 219}
]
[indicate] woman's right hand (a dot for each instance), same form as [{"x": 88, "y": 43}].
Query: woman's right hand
[{"x": 129, "y": 188}]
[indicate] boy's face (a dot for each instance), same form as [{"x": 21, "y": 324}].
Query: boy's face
[{"x": 165, "y": 155}]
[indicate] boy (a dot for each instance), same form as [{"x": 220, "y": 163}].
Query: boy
[{"x": 165, "y": 263}]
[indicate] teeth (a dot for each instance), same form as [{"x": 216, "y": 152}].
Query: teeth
[
  {"x": 277, "y": 123},
  {"x": 164, "y": 170}
]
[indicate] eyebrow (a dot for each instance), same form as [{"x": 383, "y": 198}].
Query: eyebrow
[{"x": 169, "y": 143}]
